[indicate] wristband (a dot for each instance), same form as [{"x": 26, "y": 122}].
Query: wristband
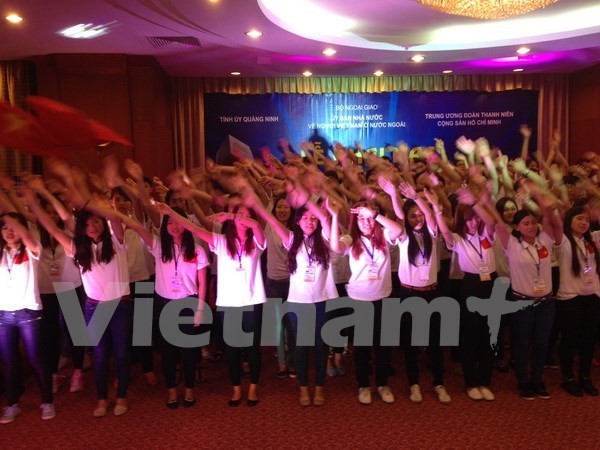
[
  {"x": 526, "y": 172},
  {"x": 375, "y": 215},
  {"x": 472, "y": 204}
]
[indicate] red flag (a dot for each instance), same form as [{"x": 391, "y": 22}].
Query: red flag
[
  {"x": 70, "y": 127},
  {"x": 22, "y": 131}
]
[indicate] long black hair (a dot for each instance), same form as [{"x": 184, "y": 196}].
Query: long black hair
[
  {"x": 413, "y": 245},
  {"x": 21, "y": 219},
  {"x": 320, "y": 250},
  {"x": 587, "y": 237},
  {"x": 231, "y": 234},
  {"x": 166, "y": 241},
  {"x": 83, "y": 243}
]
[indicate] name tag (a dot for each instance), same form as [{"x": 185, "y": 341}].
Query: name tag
[
  {"x": 54, "y": 270},
  {"x": 309, "y": 275},
  {"x": 484, "y": 273},
  {"x": 588, "y": 279},
  {"x": 176, "y": 283},
  {"x": 373, "y": 273},
  {"x": 423, "y": 272},
  {"x": 539, "y": 286}
]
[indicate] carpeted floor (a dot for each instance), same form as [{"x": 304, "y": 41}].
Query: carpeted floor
[{"x": 278, "y": 421}]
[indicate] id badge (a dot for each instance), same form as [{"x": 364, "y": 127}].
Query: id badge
[
  {"x": 539, "y": 286},
  {"x": 484, "y": 273},
  {"x": 423, "y": 272},
  {"x": 373, "y": 273},
  {"x": 239, "y": 269},
  {"x": 54, "y": 270},
  {"x": 176, "y": 283},
  {"x": 309, "y": 275},
  {"x": 588, "y": 280},
  {"x": 553, "y": 259}
]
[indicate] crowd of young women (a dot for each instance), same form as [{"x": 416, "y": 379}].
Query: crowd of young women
[{"x": 390, "y": 223}]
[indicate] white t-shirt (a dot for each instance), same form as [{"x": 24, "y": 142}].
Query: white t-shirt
[
  {"x": 105, "y": 282},
  {"x": 238, "y": 286},
  {"x": 474, "y": 252},
  {"x": 426, "y": 270},
  {"x": 321, "y": 289},
  {"x": 177, "y": 278},
  {"x": 276, "y": 256},
  {"x": 523, "y": 259},
  {"x": 370, "y": 277},
  {"x": 570, "y": 285},
  {"x": 19, "y": 281}
]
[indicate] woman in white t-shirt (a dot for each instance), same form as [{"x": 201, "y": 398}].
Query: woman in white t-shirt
[
  {"x": 20, "y": 315},
  {"x": 472, "y": 242},
  {"x": 181, "y": 268},
  {"x": 528, "y": 254},
  {"x": 311, "y": 284},
  {"x": 578, "y": 302},
  {"x": 239, "y": 284},
  {"x": 102, "y": 261},
  {"x": 370, "y": 281},
  {"x": 418, "y": 273}
]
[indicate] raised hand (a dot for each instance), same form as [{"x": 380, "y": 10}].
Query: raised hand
[
  {"x": 387, "y": 186},
  {"x": 221, "y": 217},
  {"x": 525, "y": 130},
  {"x": 465, "y": 196},
  {"x": 467, "y": 146},
  {"x": 134, "y": 169},
  {"x": 407, "y": 190},
  {"x": 483, "y": 147}
]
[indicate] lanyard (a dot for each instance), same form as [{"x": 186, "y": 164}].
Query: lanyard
[
  {"x": 584, "y": 252},
  {"x": 240, "y": 252},
  {"x": 371, "y": 253},
  {"x": 539, "y": 260},
  {"x": 480, "y": 251},
  {"x": 309, "y": 251},
  {"x": 176, "y": 259},
  {"x": 10, "y": 262},
  {"x": 421, "y": 244}
]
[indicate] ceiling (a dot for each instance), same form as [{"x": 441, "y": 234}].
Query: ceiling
[{"x": 207, "y": 37}]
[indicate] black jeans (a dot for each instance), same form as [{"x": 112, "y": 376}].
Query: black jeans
[
  {"x": 434, "y": 350},
  {"x": 578, "y": 320},
  {"x": 476, "y": 350},
  {"x": 362, "y": 355},
  {"x": 171, "y": 354},
  {"x": 280, "y": 289},
  {"x": 116, "y": 336},
  {"x": 251, "y": 323},
  {"x": 25, "y": 324}
]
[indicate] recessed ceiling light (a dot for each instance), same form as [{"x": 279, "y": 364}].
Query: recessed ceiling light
[
  {"x": 14, "y": 18},
  {"x": 236, "y": 73},
  {"x": 329, "y": 52},
  {"x": 447, "y": 71},
  {"x": 86, "y": 31},
  {"x": 523, "y": 50},
  {"x": 254, "y": 34},
  {"x": 517, "y": 70},
  {"x": 307, "y": 73},
  {"x": 378, "y": 73},
  {"x": 417, "y": 58}
]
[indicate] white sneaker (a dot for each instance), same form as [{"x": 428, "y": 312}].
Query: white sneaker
[
  {"x": 386, "y": 394},
  {"x": 415, "y": 394},
  {"x": 443, "y": 396},
  {"x": 76, "y": 382},
  {"x": 9, "y": 413},
  {"x": 486, "y": 394},
  {"x": 48, "y": 411},
  {"x": 364, "y": 395}
]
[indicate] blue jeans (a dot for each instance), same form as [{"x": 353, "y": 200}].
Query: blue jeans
[
  {"x": 24, "y": 324},
  {"x": 117, "y": 336},
  {"x": 531, "y": 327},
  {"x": 320, "y": 349}
]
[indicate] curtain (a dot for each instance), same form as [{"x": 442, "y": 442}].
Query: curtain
[
  {"x": 189, "y": 113},
  {"x": 15, "y": 85}
]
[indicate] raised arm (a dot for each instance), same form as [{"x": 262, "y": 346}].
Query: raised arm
[
  {"x": 22, "y": 233},
  {"x": 200, "y": 232}
]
